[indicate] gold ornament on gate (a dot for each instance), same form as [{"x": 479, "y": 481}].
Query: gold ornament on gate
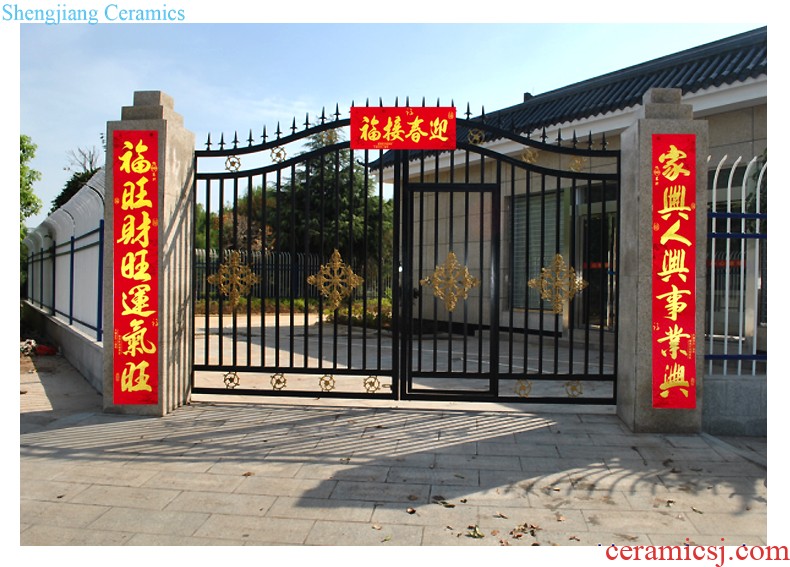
[
  {"x": 476, "y": 136},
  {"x": 278, "y": 154},
  {"x": 233, "y": 163},
  {"x": 371, "y": 384},
  {"x": 327, "y": 383},
  {"x": 577, "y": 164},
  {"x": 335, "y": 280},
  {"x": 574, "y": 388},
  {"x": 530, "y": 155},
  {"x": 523, "y": 388},
  {"x": 234, "y": 278},
  {"x": 231, "y": 380},
  {"x": 558, "y": 284},
  {"x": 451, "y": 281},
  {"x": 278, "y": 381}
]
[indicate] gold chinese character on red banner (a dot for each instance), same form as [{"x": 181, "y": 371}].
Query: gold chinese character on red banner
[
  {"x": 135, "y": 267},
  {"x": 400, "y": 128},
  {"x": 674, "y": 256}
]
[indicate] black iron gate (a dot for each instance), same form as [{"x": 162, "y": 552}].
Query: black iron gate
[
  {"x": 484, "y": 274},
  {"x": 453, "y": 234}
]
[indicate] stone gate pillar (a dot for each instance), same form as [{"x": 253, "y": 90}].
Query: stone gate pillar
[
  {"x": 149, "y": 173},
  {"x": 662, "y": 113}
]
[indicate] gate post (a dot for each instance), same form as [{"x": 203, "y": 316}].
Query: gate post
[
  {"x": 661, "y": 113},
  {"x": 156, "y": 204}
]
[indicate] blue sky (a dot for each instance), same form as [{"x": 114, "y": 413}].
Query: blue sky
[{"x": 227, "y": 77}]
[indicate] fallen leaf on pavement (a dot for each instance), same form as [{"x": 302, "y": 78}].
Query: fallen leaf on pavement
[
  {"x": 376, "y": 527},
  {"x": 474, "y": 531}
]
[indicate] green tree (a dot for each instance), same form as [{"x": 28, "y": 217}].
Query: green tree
[
  {"x": 29, "y": 203},
  {"x": 84, "y": 162},
  {"x": 73, "y": 185},
  {"x": 328, "y": 203},
  {"x": 331, "y": 204}
]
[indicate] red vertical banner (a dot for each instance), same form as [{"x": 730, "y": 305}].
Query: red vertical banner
[
  {"x": 674, "y": 163},
  {"x": 135, "y": 270}
]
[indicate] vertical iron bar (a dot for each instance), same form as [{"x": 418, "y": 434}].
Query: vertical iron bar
[
  {"x": 351, "y": 255},
  {"x": 481, "y": 265},
  {"x": 712, "y": 266},
  {"x": 234, "y": 319},
  {"x": 41, "y": 281},
  {"x": 264, "y": 266},
  {"x": 207, "y": 288},
  {"x": 277, "y": 267},
  {"x": 365, "y": 276},
  {"x": 587, "y": 304},
  {"x": 250, "y": 264},
  {"x": 221, "y": 260},
  {"x": 557, "y": 250},
  {"x": 407, "y": 274},
  {"x": 574, "y": 261},
  {"x": 100, "y": 294},
  {"x": 495, "y": 287},
  {"x": 194, "y": 285},
  {"x": 602, "y": 294},
  {"x": 398, "y": 366},
  {"x": 419, "y": 253},
  {"x": 54, "y": 280},
  {"x": 380, "y": 273},
  {"x": 511, "y": 258},
  {"x": 451, "y": 246},
  {"x": 416, "y": 281},
  {"x": 308, "y": 193},
  {"x": 436, "y": 263},
  {"x": 616, "y": 276},
  {"x": 541, "y": 310},
  {"x": 742, "y": 274},
  {"x": 293, "y": 269},
  {"x": 727, "y": 244},
  {"x": 757, "y": 264},
  {"x": 71, "y": 281},
  {"x": 321, "y": 255},
  {"x": 337, "y": 246},
  {"x": 527, "y": 225}
]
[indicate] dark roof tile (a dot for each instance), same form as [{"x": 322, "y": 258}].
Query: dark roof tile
[{"x": 729, "y": 60}]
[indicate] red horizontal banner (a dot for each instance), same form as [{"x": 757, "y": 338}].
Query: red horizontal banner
[
  {"x": 135, "y": 271},
  {"x": 403, "y": 128},
  {"x": 674, "y": 338}
]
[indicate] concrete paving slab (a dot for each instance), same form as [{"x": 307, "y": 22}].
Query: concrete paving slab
[
  {"x": 222, "y": 503},
  {"x": 141, "y": 520},
  {"x": 331, "y": 473},
  {"x": 253, "y": 529},
  {"x": 331, "y": 532}
]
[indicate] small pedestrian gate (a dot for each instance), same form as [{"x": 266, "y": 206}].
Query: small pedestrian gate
[{"x": 484, "y": 274}]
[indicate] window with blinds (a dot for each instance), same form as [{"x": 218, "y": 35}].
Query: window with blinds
[{"x": 535, "y": 242}]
